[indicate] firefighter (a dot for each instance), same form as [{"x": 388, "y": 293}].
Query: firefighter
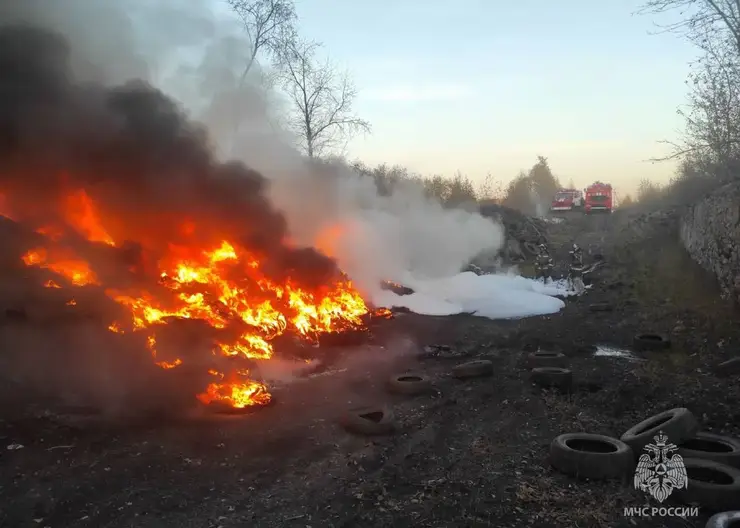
[
  {"x": 543, "y": 263},
  {"x": 576, "y": 255},
  {"x": 575, "y": 274}
]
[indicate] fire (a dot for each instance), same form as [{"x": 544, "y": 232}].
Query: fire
[
  {"x": 237, "y": 395},
  {"x": 222, "y": 284},
  {"x": 82, "y": 216},
  {"x": 75, "y": 270}
]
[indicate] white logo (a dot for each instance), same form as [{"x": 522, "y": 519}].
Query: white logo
[{"x": 662, "y": 472}]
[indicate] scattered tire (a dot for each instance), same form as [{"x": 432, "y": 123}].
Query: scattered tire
[
  {"x": 369, "y": 421},
  {"x": 552, "y": 377},
  {"x": 591, "y": 456},
  {"x": 651, "y": 342},
  {"x": 473, "y": 369},
  {"x": 223, "y": 408},
  {"x": 409, "y": 384},
  {"x": 530, "y": 247},
  {"x": 546, "y": 359},
  {"x": 713, "y": 486},
  {"x": 677, "y": 424},
  {"x": 714, "y": 447},
  {"x": 600, "y": 307},
  {"x": 585, "y": 350},
  {"x": 443, "y": 352},
  {"x": 731, "y": 367},
  {"x": 726, "y": 519}
]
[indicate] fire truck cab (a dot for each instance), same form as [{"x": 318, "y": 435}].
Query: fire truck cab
[
  {"x": 599, "y": 198},
  {"x": 567, "y": 200}
]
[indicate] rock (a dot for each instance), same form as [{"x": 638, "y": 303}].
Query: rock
[{"x": 708, "y": 231}]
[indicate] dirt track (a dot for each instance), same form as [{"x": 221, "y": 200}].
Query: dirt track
[{"x": 474, "y": 453}]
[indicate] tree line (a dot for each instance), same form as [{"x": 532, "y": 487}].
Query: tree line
[
  {"x": 321, "y": 113},
  {"x": 321, "y": 107},
  {"x": 708, "y": 149},
  {"x": 530, "y": 192}
]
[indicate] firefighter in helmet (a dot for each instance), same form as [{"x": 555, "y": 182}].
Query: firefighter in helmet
[
  {"x": 576, "y": 255},
  {"x": 543, "y": 263},
  {"x": 575, "y": 274}
]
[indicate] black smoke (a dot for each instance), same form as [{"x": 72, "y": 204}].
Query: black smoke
[
  {"x": 149, "y": 169},
  {"x": 133, "y": 150}
]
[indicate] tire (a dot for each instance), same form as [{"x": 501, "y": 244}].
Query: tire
[
  {"x": 591, "y": 456},
  {"x": 530, "y": 247},
  {"x": 713, "y": 486},
  {"x": 546, "y": 359},
  {"x": 726, "y": 519},
  {"x": 552, "y": 377},
  {"x": 369, "y": 421},
  {"x": 409, "y": 384},
  {"x": 677, "y": 424},
  {"x": 651, "y": 342},
  {"x": 473, "y": 369},
  {"x": 224, "y": 409},
  {"x": 714, "y": 447}
]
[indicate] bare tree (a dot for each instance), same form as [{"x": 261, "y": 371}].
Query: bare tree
[
  {"x": 266, "y": 22},
  {"x": 713, "y": 113},
  {"x": 700, "y": 18},
  {"x": 321, "y": 96},
  {"x": 712, "y": 133}
]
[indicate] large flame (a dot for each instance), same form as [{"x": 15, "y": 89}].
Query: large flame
[{"x": 222, "y": 285}]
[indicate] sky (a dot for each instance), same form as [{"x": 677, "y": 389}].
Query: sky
[{"x": 485, "y": 86}]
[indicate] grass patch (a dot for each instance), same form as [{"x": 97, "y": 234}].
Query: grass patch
[
  {"x": 666, "y": 275},
  {"x": 546, "y": 499}
]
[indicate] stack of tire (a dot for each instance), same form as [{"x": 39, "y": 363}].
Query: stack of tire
[
  {"x": 549, "y": 370},
  {"x": 701, "y": 468}
]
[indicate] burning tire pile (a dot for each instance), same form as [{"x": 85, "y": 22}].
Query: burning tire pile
[{"x": 124, "y": 218}]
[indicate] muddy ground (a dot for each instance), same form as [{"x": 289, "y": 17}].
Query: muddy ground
[{"x": 472, "y": 453}]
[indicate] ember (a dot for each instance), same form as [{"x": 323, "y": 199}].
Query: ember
[{"x": 129, "y": 200}]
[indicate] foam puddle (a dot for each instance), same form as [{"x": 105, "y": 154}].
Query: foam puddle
[
  {"x": 609, "y": 351},
  {"x": 492, "y": 296}
]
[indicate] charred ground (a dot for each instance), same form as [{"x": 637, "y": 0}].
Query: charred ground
[{"x": 474, "y": 453}]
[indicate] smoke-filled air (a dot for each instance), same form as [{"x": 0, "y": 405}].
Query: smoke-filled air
[{"x": 145, "y": 181}]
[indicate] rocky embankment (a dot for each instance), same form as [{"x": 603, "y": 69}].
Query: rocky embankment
[
  {"x": 523, "y": 232},
  {"x": 710, "y": 231}
]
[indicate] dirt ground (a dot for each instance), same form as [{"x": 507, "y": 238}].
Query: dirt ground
[{"x": 472, "y": 453}]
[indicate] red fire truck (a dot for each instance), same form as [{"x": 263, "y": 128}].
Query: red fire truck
[
  {"x": 567, "y": 200},
  {"x": 599, "y": 198}
]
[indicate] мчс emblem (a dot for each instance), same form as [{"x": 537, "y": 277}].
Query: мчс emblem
[{"x": 662, "y": 470}]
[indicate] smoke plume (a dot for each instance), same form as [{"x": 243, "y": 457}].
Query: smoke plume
[
  {"x": 84, "y": 105},
  {"x": 74, "y": 117}
]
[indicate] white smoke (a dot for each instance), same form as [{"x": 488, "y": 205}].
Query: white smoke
[
  {"x": 327, "y": 204},
  {"x": 379, "y": 238},
  {"x": 196, "y": 52},
  {"x": 540, "y": 209}
]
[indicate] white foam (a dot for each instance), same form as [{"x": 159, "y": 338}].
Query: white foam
[
  {"x": 491, "y": 296},
  {"x": 609, "y": 351}
]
